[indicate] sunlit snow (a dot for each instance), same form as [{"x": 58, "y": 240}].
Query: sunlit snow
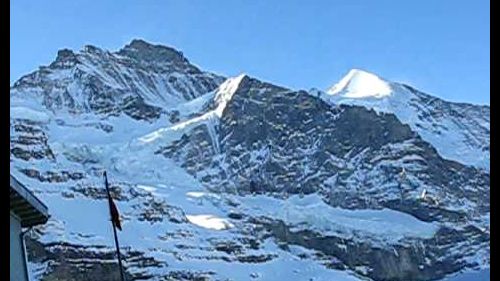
[
  {"x": 209, "y": 221},
  {"x": 361, "y": 84},
  {"x": 312, "y": 213}
]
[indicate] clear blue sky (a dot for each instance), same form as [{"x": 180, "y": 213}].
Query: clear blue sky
[{"x": 439, "y": 46}]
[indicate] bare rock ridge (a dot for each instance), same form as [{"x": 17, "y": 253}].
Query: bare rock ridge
[{"x": 142, "y": 50}]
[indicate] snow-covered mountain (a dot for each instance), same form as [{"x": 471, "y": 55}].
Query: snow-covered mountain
[
  {"x": 459, "y": 131},
  {"x": 141, "y": 80},
  {"x": 240, "y": 179}
]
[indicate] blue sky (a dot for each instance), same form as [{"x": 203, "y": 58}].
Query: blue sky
[{"x": 439, "y": 46}]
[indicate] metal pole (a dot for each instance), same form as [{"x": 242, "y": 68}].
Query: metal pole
[{"x": 122, "y": 278}]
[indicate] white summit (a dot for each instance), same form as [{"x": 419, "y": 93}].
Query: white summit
[
  {"x": 361, "y": 84},
  {"x": 458, "y": 131}
]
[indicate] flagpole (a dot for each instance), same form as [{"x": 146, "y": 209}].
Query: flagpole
[{"x": 122, "y": 278}]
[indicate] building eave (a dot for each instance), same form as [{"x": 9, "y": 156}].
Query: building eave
[{"x": 25, "y": 205}]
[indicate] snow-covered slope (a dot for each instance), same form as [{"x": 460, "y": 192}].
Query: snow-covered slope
[
  {"x": 459, "y": 132},
  {"x": 173, "y": 227},
  {"x": 238, "y": 179}
]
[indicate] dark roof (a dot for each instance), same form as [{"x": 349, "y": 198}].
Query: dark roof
[{"x": 26, "y": 205}]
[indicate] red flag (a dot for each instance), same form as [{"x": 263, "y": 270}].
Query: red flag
[
  {"x": 115, "y": 216},
  {"x": 115, "y": 220}
]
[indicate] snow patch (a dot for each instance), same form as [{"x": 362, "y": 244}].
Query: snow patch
[
  {"x": 225, "y": 93},
  {"x": 195, "y": 194},
  {"x": 22, "y": 112},
  {"x": 311, "y": 212},
  {"x": 209, "y": 221}
]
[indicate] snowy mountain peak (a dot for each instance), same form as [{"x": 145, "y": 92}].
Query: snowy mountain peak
[
  {"x": 361, "y": 84},
  {"x": 145, "y": 51},
  {"x": 438, "y": 122}
]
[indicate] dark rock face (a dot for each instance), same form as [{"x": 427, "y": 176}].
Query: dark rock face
[
  {"x": 139, "y": 110},
  {"x": 29, "y": 140},
  {"x": 52, "y": 176},
  {"x": 65, "y": 59},
  {"x": 420, "y": 260},
  {"x": 183, "y": 275},
  {"x": 144, "y": 51},
  {"x": 155, "y": 211},
  {"x": 76, "y": 262}
]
